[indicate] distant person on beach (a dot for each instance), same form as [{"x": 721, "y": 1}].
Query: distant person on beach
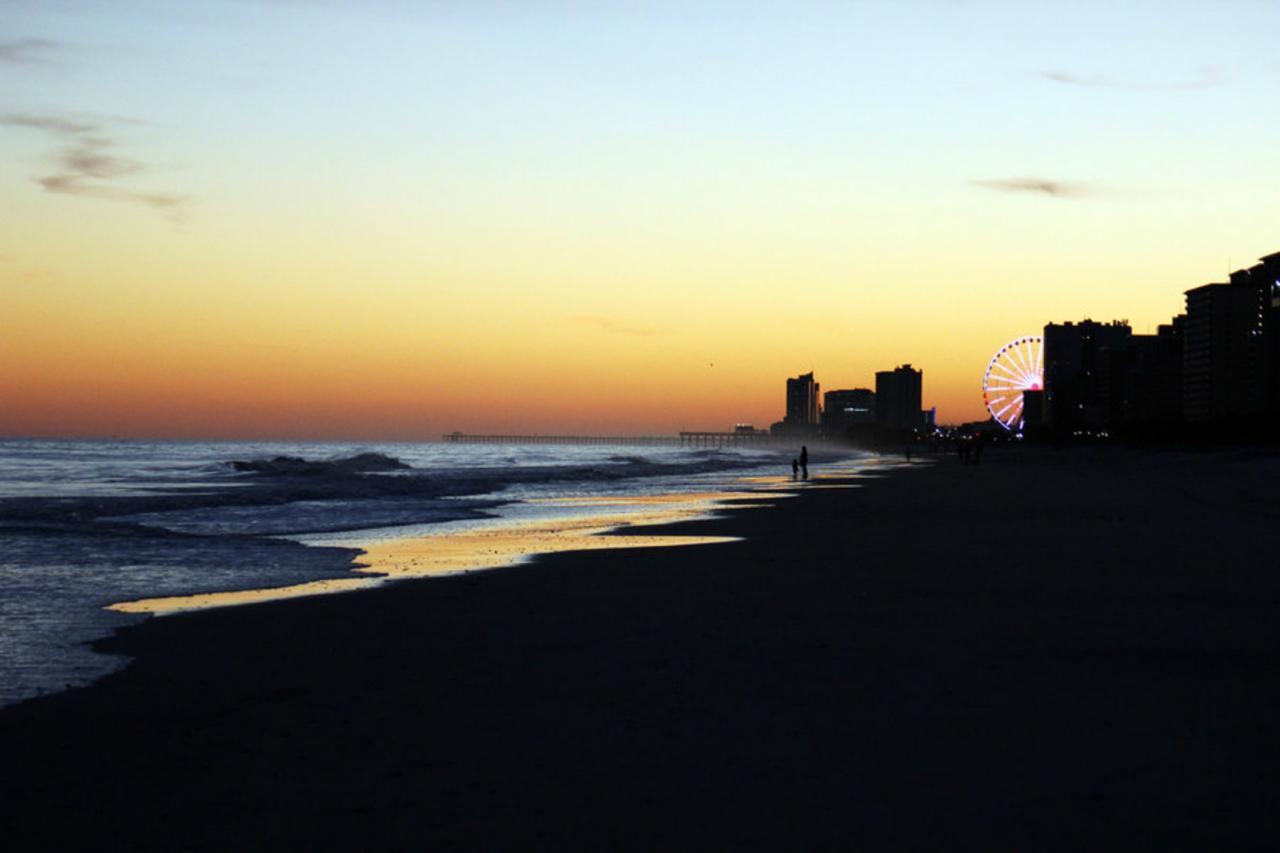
[
  {"x": 795, "y": 470},
  {"x": 804, "y": 462},
  {"x": 908, "y": 453}
]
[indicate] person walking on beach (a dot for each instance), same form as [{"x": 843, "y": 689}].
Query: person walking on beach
[
  {"x": 804, "y": 462},
  {"x": 795, "y": 470}
]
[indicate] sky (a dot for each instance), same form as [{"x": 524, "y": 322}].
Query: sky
[{"x": 390, "y": 220}]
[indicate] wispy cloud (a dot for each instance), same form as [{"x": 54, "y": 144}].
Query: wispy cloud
[
  {"x": 89, "y": 165},
  {"x": 609, "y": 324},
  {"x": 1206, "y": 78},
  {"x": 27, "y": 50},
  {"x": 53, "y": 124},
  {"x": 1037, "y": 186}
]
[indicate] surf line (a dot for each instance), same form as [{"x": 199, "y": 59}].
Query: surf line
[{"x": 490, "y": 547}]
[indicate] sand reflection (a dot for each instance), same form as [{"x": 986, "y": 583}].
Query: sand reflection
[{"x": 488, "y": 547}]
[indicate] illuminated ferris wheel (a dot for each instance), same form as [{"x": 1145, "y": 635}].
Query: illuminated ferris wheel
[{"x": 1016, "y": 367}]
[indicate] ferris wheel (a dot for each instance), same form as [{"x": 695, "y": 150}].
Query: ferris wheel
[{"x": 1016, "y": 367}]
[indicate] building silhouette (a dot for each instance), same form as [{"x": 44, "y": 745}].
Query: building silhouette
[
  {"x": 1141, "y": 383},
  {"x": 803, "y": 413},
  {"x": 1076, "y": 384},
  {"x": 1231, "y": 347},
  {"x": 846, "y": 408},
  {"x": 802, "y": 401},
  {"x": 898, "y": 396}
]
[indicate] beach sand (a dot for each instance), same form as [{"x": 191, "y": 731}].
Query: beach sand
[{"x": 1052, "y": 650}]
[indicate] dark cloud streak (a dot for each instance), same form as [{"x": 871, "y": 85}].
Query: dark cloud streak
[
  {"x": 88, "y": 163},
  {"x": 24, "y": 51},
  {"x": 1208, "y": 78},
  {"x": 53, "y": 124},
  {"x": 90, "y": 158},
  {"x": 1036, "y": 186}
]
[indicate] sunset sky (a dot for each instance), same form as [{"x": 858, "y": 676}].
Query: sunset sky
[{"x": 389, "y": 220}]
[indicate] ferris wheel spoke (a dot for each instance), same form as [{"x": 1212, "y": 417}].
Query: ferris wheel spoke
[
  {"x": 1007, "y": 407},
  {"x": 1007, "y": 404},
  {"x": 1005, "y": 392},
  {"x": 1030, "y": 357},
  {"x": 1015, "y": 359},
  {"x": 1023, "y": 362},
  {"x": 1003, "y": 383},
  {"x": 1008, "y": 376},
  {"x": 1012, "y": 358},
  {"x": 1006, "y": 370}
]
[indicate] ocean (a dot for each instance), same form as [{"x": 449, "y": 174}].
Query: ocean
[{"x": 86, "y": 524}]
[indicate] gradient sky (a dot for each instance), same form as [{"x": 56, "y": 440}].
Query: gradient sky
[{"x": 297, "y": 219}]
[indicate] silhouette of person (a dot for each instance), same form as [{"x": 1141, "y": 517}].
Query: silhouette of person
[
  {"x": 795, "y": 470},
  {"x": 804, "y": 461}
]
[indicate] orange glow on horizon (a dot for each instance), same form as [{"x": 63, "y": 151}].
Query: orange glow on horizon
[{"x": 406, "y": 365}]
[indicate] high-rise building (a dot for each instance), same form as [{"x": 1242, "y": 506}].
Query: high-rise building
[
  {"x": 1232, "y": 345},
  {"x": 1076, "y": 391},
  {"x": 843, "y": 409},
  {"x": 898, "y": 396},
  {"x": 1144, "y": 383},
  {"x": 802, "y": 401}
]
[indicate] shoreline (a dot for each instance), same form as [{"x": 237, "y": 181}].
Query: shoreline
[
  {"x": 488, "y": 545},
  {"x": 863, "y": 668},
  {"x": 500, "y": 541}
]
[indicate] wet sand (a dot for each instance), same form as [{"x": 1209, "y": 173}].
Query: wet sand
[
  {"x": 483, "y": 547},
  {"x": 1047, "y": 651}
]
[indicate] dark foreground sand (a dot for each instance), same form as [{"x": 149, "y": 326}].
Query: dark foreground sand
[{"x": 1044, "y": 652}]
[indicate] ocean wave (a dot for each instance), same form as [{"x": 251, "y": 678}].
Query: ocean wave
[
  {"x": 361, "y": 463},
  {"x": 292, "y": 494},
  {"x": 628, "y": 460}
]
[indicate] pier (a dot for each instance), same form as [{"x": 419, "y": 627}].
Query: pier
[
  {"x": 642, "y": 440},
  {"x": 737, "y": 438}
]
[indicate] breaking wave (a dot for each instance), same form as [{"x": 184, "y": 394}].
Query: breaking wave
[{"x": 359, "y": 464}]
